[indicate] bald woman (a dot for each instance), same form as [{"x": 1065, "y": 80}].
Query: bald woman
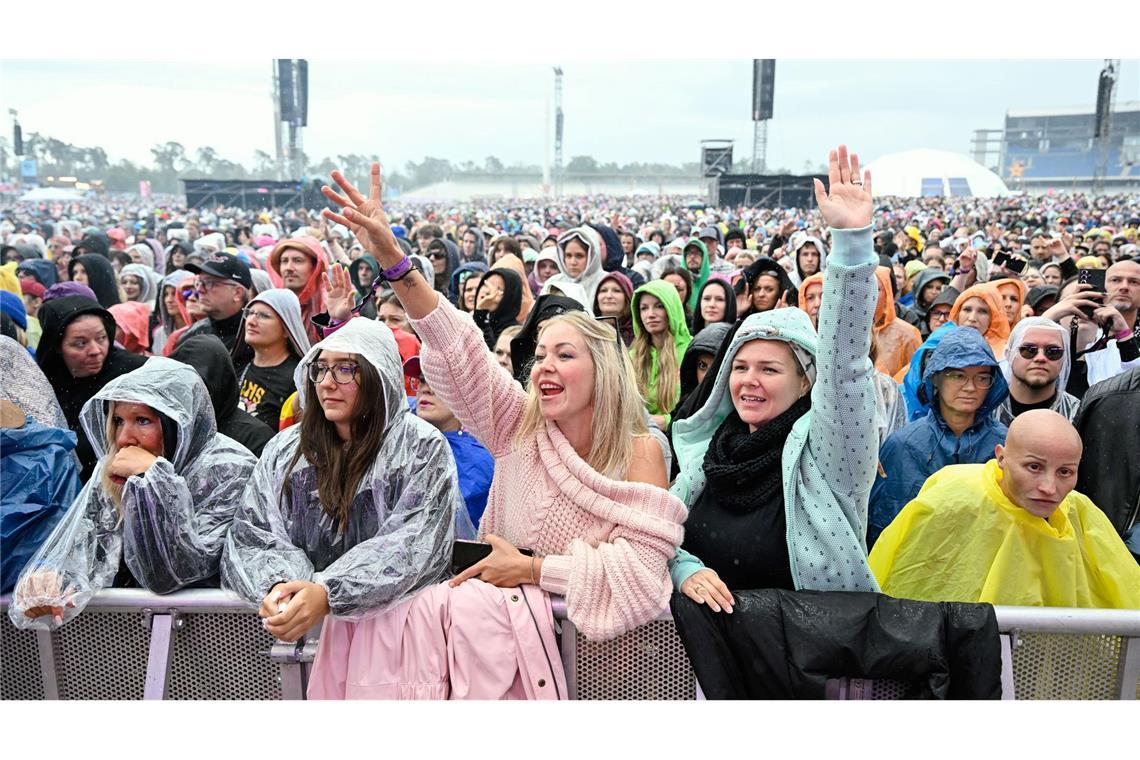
[{"x": 1011, "y": 531}]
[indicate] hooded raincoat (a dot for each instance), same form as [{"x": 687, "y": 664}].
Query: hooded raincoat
[
  {"x": 133, "y": 318},
  {"x": 765, "y": 265},
  {"x": 100, "y": 277},
  {"x": 702, "y": 275},
  {"x": 166, "y": 324},
  {"x": 998, "y": 333},
  {"x": 493, "y": 322},
  {"x": 667, "y": 295},
  {"x": 1016, "y": 287},
  {"x": 398, "y": 535},
  {"x": 797, "y": 275},
  {"x": 459, "y": 278},
  {"x": 592, "y": 276},
  {"x": 962, "y": 539},
  {"x": 42, "y": 270},
  {"x": 828, "y": 459},
  {"x": 363, "y": 290},
  {"x": 921, "y": 280},
  {"x": 729, "y": 303},
  {"x": 147, "y": 285},
  {"x": 1063, "y": 404},
  {"x": 175, "y": 516},
  {"x": 312, "y": 295},
  {"x": 514, "y": 263},
  {"x": 921, "y": 448},
  {"x": 625, "y": 323},
  {"x": 73, "y": 392},
  {"x": 26, "y": 386},
  {"x": 897, "y": 340}
]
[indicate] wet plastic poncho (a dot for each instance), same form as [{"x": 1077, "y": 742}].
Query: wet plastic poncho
[
  {"x": 398, "y": 535},
  {"x": 962, "y": 539},
  {"x": 26, "y": 386},
  {"x": 175, "y": 515}
]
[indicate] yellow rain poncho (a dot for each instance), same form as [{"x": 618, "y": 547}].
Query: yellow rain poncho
[{"x": 962, "y": 540}]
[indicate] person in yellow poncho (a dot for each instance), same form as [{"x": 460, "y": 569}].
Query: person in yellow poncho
[{"x": 1011, "y": 531}]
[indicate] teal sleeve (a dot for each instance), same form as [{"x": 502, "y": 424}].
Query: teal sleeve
[
  {"x": 682, "y": 566},
  {"x": 852, "y": 247}
]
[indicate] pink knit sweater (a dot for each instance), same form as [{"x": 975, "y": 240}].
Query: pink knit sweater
[{"x": 606, "y": 542}]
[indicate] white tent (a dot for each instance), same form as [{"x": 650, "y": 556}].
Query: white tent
[
  {"x": 926, "y": 172},
  {"x": 52, "y": 194}
]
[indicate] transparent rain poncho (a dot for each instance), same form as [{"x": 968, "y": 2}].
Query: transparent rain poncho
[
  {"x": 407, "y": 510},
  {"x": 175, "y": 515}
]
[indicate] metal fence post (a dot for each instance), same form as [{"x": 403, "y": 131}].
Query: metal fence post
[{"x": 158, "y": 661}]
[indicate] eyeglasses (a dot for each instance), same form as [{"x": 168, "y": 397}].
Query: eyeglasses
[
  {"x": 958, "y": 377},
  {"x": 1029, "y": 351},
  {"x": 205, "y": 286},
  {"x": 343, "y": 373},
  {"x": 939, "y": 316},
  {"x": 260, "y": 316}
]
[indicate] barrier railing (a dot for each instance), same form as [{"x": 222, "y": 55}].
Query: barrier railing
[{"x": 209, "y": 644}]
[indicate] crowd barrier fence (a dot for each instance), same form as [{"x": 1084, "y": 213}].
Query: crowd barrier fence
[{"x": 209, "y": 644}]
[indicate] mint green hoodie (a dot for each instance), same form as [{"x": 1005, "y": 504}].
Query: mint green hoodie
[
  {"x": 671, "y": 300},
  {"x": 829, "y": 457}
]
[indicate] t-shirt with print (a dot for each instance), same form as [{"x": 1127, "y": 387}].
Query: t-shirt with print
[{"x": 264, "y": 389}]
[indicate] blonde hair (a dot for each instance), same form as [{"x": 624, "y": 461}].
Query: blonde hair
[
  {"x": 668, "y": 391},
  {"x": 619, "y": 408}
]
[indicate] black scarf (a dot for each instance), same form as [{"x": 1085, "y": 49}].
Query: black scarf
[{"x": 743, "y": 469}]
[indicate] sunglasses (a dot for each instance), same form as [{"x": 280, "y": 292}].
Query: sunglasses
[{"x": 1029, "y": 351}]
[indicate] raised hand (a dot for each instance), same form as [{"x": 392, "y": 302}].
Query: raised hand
[
  {"x": 365, "y": 217},
  {"x": 847, "y": 202},
  {"x": 340, "y": 295}
]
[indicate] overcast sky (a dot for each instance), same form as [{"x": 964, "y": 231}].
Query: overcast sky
[{"x": 615, "y": 111}]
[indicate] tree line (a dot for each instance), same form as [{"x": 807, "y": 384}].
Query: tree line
[{"x": 171, "y": 162}]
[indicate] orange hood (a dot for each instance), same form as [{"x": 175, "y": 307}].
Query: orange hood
[
  {"x": 812, "y": 280},
  {"x": 1019, "y": 286},
  {"x": 998, "y": 333},
  {"x": 884, "y": 307}
]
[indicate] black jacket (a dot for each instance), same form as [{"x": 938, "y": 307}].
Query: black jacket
[
  {"x": 207, "y": 355},
  {"x": 780, "y": 644},
  {"x": 1109, "y": 424},
  {"x": 73, "y": 392}
]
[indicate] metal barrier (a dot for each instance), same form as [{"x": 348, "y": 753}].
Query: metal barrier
[{"x": 209, "y": 644}]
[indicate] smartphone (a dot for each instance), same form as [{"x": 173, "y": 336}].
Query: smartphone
[
  {"x": 464, "y": 554},
  {"x": 1016, "y": 264},
  {"x": 1094, "y": 277},
  {"x": 1000, "y": 258}
]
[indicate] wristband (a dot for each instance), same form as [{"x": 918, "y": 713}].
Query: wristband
[
  {"x": 1123, "y": 335},
  {"x": 398, "y": 271}
]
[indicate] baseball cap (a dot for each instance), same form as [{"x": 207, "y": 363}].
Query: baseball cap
[
  {"x": 710, "y": 232},
  {"x": 412, "y": 367},
  {"x": 225, "y": 266}
]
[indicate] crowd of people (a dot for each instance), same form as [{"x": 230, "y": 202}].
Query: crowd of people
[{"x": 635, "y": 404}]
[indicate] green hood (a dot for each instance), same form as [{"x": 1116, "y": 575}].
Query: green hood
[
  {"x": 702, "y": 277},
  {"x": 668, "y": 296}
]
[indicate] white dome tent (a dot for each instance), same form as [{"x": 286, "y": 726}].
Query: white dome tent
[{"x": 926, "y": 172}]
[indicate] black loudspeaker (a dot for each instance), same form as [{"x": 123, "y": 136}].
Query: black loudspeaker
[
  {"x": 716, "y": 161},
  {"x": 763, "y": 87},
  {"x": 1103, "y": 104},
  {"x": 18, "y": 140},
  {"x": 285, "y": 95},
  {"x": 303, "y": 91}
]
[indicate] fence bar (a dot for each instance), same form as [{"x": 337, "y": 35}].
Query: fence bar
[
  {"x": 158, "y": 660},
  {"x": 46, "y": 652},
  {"x": 1130, "y": 670}
]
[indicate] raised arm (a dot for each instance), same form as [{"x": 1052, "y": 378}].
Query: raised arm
[
  {"x": 843, "y": 433},
  {"x": 454, "y": 354}
]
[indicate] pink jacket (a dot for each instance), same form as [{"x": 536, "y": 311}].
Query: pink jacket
[{"x": 606, "y": 543}]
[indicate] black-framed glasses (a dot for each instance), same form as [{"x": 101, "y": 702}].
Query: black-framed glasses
[
  {"x": 343, "y": 373},
  {"x": 1029, "y": 351},
  {"x": 958, "y": 377}
]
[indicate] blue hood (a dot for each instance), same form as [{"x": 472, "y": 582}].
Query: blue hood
[
  {"x": 472, "y": 266},
  {"x": 966, "y": 348},
  {"x": 912, "y": 382}
]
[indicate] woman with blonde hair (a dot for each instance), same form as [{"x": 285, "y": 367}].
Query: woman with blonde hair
[
  {"x": 578, "y": 479},
  {"x": 660, "y": 339}
]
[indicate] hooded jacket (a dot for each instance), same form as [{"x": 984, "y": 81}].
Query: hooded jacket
[
  {"x": 165, "y": 327},
  {"x": 73, "y": 392},
  {"x": 398, "y": 535},
  {"x": 43, "y": 270},
  {"x": 454, "y": 260},
  {"x": 312, "y": 295},
  {"x": 767, "y": 265},
  {"x": 667, "y": 295},
  {"x": 797, "y": 275},
  {"x": 707, "y": 341},
  {"x": 911, "y": 382},
  {"x": 515, "y": 264},
  {"x": 1063, "y": 403},
  {"x": 457, "y": 278},
  {"x": 147, "y": 284},
  {"x": 1000, "y": 553},
  {"x": 26, "y": 386},
  {"x": 133, "y": 317},
  {"x": 897, "y": 340},
  {"x": 715, "y": 281},
  {"x": 998, "y": 333},
  {"x": 921, "y": 280},
  {"x": 354, "y": 275},
  {"x": 546, "y": 254},
  {"x": 1109, "y": 423},
  {"x": 208, "y": 356},
  {"x": 100, "y": 278},
  {"x": 701, "y": 277},
  {"x": 915, "y": 452},
  {"x": 828, "y": 460},
  {"x": 175, "y": 516},
  {"x": 506, "y": 313},
  {"x": 288, "y": 309},
  {"x": 1007, "y": 283},
  {"x": 479, "y": 256},
  {"x": 523, "y": 344},
  {"x": 625, "y": 323},
  {"x": 592, "y": 275}
]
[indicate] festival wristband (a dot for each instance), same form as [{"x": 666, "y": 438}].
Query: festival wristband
[
  {"x": 1123, "y": 335},
  {"x": 398, "y": 271}
]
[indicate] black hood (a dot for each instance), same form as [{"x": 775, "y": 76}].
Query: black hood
[
  {"x": 729, "y": 303},
  {"x": 100, "y": 278},
  {"x": 522, "y": 345},
  {"x": 768, "y": 265},
  {"x": 506, "y": 313},
  {"x": 56, "y": 315},
  {"x": 615, "y": 257},
  {"x": 209, "y": 357}
]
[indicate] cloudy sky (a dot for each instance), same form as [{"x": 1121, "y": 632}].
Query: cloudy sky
[{"x": 615, "y": 111}]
